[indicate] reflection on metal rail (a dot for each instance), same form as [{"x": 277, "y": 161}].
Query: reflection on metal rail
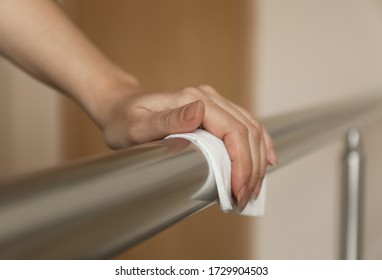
[{"x": 97, "y": 208}]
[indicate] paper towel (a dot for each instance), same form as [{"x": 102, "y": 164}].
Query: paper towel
[{"x": 220, "y": 164}]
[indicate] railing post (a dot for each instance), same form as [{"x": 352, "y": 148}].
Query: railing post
[{"x": 352, "y": 194}]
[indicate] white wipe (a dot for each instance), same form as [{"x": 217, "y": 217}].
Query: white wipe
[{"x": 220, "y": 164}]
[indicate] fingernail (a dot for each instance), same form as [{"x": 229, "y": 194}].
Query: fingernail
[
  {"x": 235, "y": 201},
  {"x": 272, "y": 157},
  {"x": 188, "y": 112},
  {"x": 243, "y": 198},
  {"x": 251, "y": 189}
]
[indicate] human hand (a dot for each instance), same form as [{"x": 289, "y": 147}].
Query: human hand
[{"x": 139, "y": 118}]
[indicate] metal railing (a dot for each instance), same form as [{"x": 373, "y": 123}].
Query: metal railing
[{"x": 97, "y": 208}]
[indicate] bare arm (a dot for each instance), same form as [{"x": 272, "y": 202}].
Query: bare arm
[{"x": 38, "y": 37}]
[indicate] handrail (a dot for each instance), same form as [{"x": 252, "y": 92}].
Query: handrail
[
  {"x": 300, "y": 132},
  {"x": 94, "y": 209}
]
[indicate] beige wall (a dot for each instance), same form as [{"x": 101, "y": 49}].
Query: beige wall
[{"x": 311, "y": 52}]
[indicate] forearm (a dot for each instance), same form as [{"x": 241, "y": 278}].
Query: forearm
[{"x": 38, "y": 37}]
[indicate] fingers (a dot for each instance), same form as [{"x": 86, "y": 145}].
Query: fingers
[
  {"x": 268, "y": 155},
  {"x": 271, "y": 154},
  {"x": 245, "y": 141},
  {"x": 239, "y": 151},
  {"x": 263, "y": 166},
  {"x": 258, "y": 137}
]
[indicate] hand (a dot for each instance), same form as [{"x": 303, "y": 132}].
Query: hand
[{"x": 140, "y": 118}]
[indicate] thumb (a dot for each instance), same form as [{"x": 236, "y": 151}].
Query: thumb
[{"x": 179, "y": 120}]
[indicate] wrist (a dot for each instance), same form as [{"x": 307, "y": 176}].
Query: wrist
[{"x": 106, "y": 93}]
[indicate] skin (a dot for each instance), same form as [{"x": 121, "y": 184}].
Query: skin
[{"x": 38, "y": 37}]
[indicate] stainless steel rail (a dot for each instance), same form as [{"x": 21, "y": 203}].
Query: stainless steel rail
[
  {"x": 300, "y": 132},
  {"x": 96, "y": 208},
  {"x": 352, "y": 197}
]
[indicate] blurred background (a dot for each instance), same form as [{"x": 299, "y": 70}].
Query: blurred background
[{"x": 268, "y": 56}]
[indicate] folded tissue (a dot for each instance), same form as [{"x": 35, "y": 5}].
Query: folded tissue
[{"x": 220, "y": 164}]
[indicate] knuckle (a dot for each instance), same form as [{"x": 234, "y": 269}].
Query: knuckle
[
  {"x": 192, "y": 93},
  {"x": 256, "y": 174},
  {"x": 208, "y": 89},
  {"x": 256, "y": 134},
  {"x": 241, "y": 129}
]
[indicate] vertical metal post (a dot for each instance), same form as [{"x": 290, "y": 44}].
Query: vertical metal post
[{"x": 353, "y": 177}]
